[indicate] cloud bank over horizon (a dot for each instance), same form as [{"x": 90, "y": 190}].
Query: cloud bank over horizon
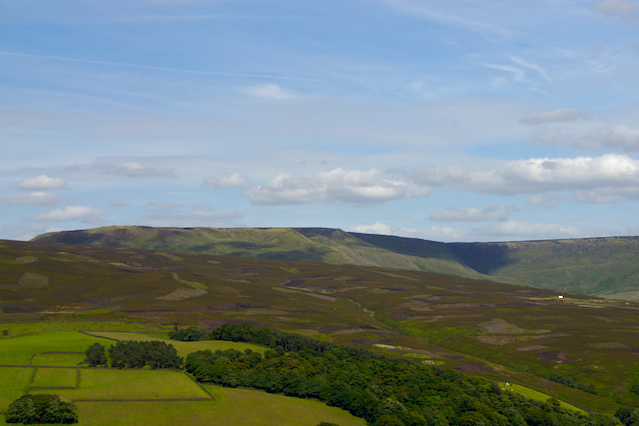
[{"x": 451, "y": 121}]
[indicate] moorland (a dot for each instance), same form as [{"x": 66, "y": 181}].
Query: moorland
[
  {"x": 579, "y": 349},
  {"x": 605, "y": 267}
]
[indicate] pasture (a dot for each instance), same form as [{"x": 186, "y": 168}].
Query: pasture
[
  {"x": 183, "y": 348},
  {"x": 141, "y": 397}
]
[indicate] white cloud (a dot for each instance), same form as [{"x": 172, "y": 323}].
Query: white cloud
[
  {"x": 523, "y": 230},
  {"x": 164, "y": 206},
  {"x": 74, "y": 213},
  {"x": 539, "y": 175},
  {"x": 269, "y": 91},
  {"x": 472, "y": 214},
  {"x": 42, "y": 183},
  {"x": 444, "y": 233},
  {"x": 571, "y": 114},
  {"x": 118, "y": 202},
  {"x": 379, "y": 228},
  {"x": 545, "y": 200},
  {"x": 135, "y": 170},
  {"x": 337, "y": 186},
  {"x": 624, "y": 9},
  {"x": 205, "y": 218},
  {"x": 227, "y": 180},
  {"x": 34, "y": 198},
  {"x": 434, "y": 233}
]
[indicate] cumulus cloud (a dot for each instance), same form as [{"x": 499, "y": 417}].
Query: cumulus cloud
[
  {"x": 118, "y": 202},
  {"x": 337, "y": 186},
  {"x": 227, "y": 180},
  {"x": 208, "y": 218},
  {"x": 135, "y": 170},
  {"x": 548, "y": 200},
  {"x": 163, "y": 206},
  {"x": 571, "y": 114},
  {"x": 539, "y": 175},
  {"x": 624, "y": 9},
  {"x": 517, "y": 230},
  {"x": 74, "y": 213},
  {"x": 32, "y": 199},
  {"x": 269, "y": 91},
  {"x": 610, "y": 176},
  {"x": 472, "y": 214},
  {"x": 42, "y": 183}
]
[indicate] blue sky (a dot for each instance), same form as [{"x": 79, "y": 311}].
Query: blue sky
[{"x": 447, "y": 120}]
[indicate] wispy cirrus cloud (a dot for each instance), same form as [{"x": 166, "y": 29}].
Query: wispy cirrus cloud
[
  {"x": 472, "y": 214},
  {"x": 269, "y": 91},
  {"x": 557, "y": 115},
  {"x": 37, "y": 198},
  {"x": 135, "y": 170},
  {"x": 227, "y": 180}
]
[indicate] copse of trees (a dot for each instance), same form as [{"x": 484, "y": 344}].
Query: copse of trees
[
  {"x": 382, "y": 390},
  {"x": 41, "y": 408},
  {"x": 96, "y": 355},
  {"x": 134, "y": 354}
]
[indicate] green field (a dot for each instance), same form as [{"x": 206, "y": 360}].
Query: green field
[
  {"x": 537, "y": 396},
  {"x": 235, "y": 407},
  {"x": 55, "y": 377},
  {"x": 102, "y": 383},
  {"x": 230, "y": 406},
  {"x": 183, "y": 348},
  {"x": 58, "y": 360},
  {"x": 19, "y": 350},
  {"x": 15, "y": 382}
]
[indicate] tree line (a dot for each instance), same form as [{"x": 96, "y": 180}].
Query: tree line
[
  {"x": 381, "y": 390},
  {"x": 134, "y": 354}
]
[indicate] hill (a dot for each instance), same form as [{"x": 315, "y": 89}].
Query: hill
[
  {"x": 570, "y": 347},
  {"x": 606, "y": 267}
]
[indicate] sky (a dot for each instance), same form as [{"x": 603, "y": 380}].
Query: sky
[{"x": 447, "y": 120}]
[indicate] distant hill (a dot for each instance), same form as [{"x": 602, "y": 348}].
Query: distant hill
[{"x": 607, "y": 267}]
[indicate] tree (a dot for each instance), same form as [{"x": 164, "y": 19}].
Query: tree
[
  {"x": 41, "y": 408},
  {"x": 96, "y": 355}
]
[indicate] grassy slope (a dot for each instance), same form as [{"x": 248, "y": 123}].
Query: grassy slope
[
  {"x": 596, "y": 266},
  {"x": 309, "y": 244},
  {"x": 452, "y": 319},
  {"x": 599, "y": 266}
]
